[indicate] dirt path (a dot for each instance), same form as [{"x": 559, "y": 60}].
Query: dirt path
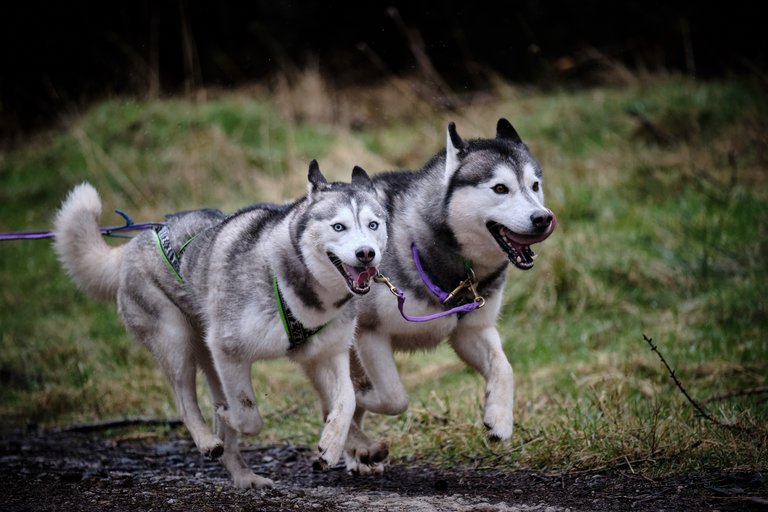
[{"x": 66, "y": 471}]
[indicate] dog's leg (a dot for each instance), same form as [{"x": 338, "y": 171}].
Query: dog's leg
[
  {"x": 242, "y": 475},
  {"x": 481, "y": 349},
  {"x": 234, "y": 369},
  {"x": 183, "y": 381},
  {"x": 386, "y": 395},
  {"x": 362, "y": 455},
  {"x": 331, "y": 379},
  {"x": 165, "y": 331}
]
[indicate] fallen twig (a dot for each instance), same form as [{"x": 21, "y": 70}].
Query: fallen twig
[
  {"x": 679, "y": 385},
  {"x": 124, "y": 422}
]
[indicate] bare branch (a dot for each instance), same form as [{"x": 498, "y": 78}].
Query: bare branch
[{"x": 679, "y": 385}]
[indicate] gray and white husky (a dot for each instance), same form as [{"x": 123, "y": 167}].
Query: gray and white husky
[
  {"x": 470, "y": 212},
  {"x": 218, "y": 292}
]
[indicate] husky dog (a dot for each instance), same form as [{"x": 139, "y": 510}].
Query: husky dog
[
  {"x": 470, "y": 212},
  {"x": 217, "y": 293}
]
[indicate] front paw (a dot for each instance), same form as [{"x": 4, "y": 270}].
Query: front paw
[
  {"x": 250, "y": 480},
  {"x": 355, "y": 467},
  {"x": 212, "y": 447},
  {"x": 499, "y": 423},
  {"x": 369, "y": 460},
  {"x": 326, "y": 459}
]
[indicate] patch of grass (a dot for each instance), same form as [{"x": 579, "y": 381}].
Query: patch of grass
[{"x": 658, "y": 236}]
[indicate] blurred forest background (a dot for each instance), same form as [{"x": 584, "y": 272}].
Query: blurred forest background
[{"x": 56, "y": 57}]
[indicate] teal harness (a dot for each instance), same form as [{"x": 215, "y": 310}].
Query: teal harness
[{"x": 297, "y": 333}]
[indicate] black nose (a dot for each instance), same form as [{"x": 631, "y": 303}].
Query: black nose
[
  {"x": 365, "y": 254},
  {"x": 541, "y": 220}
]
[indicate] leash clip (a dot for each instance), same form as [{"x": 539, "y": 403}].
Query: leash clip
[
  {"x": 381, "y": 278},
  {"x": 470, "y": 282}
]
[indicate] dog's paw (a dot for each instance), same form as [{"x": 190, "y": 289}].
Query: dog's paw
[
  {"x": 320, "y": 464},
  {"x": 212, "y": 447},
  {"x": 498, "y": 432},
  {"x": 250, "y": 480},
  {"x": 376, "y": 452},
  {"x": 326, "y": 459},
  {"x": 355, "y": 467},
  {"x": 368, "y": 460}
]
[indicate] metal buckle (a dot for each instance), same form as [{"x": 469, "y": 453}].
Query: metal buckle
[
  {"x": 381, "y": 278},
  {"x": 470, "y": 282}
]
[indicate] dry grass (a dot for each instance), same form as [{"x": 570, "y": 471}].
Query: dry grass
[{"x": 664, "y": 240}]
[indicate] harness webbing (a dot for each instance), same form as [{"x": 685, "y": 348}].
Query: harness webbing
[
  {"x": 171, "y": 257},
  {"x": 297, "y": 333},
  {"x": 163, "y": 242}
]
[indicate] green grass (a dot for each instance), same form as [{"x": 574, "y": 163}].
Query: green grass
[{"x": 665, "y": 237}]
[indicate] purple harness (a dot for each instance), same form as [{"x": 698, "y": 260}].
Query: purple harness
[{"x": 470, "y": 282}]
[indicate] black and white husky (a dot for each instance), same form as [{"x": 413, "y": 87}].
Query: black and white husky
[
  {"x": 456, "y": 224},
  {"x": 218, "y": 292}
]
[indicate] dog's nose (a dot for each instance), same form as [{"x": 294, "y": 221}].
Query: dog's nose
[
  {"x": 541, "y": 220},
  {"x": 365, "y": 254}
]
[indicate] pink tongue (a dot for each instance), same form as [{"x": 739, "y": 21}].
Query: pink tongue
[{"x": 364, "y": 276}]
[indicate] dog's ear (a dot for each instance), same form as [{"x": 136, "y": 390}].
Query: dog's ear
[
  {"x": 360, "y": 178},
  {"x": 505, "y": 131},
  {"x": 316, "y": 179},
  {"x": 454, "y": 148}
]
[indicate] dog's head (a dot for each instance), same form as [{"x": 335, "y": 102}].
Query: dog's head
[
  {"x": 495, "y": 197},
  {"x": 343, "y": 230}
]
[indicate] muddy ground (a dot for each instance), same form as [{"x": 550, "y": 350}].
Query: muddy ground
[{"x": 121, "y": 470}]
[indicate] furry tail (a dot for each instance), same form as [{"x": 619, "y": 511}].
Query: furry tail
[{"x": 91, "y": 263}]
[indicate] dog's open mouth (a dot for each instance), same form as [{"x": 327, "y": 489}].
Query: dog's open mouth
[
  {"x": 518, "y": 246},
  {"x": 358, "y": 278}
]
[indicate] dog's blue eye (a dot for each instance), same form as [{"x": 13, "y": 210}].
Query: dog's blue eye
[
  {"x": 500, "y": 188},
  {"x": 338, "y": 227},
  {"x": 373, "y": 226}
]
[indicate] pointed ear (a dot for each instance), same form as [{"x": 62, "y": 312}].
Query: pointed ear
[
  {"x": 360, "y": 178},
  {"x": 453, "y": 148},
  {"x": 316, "y": 179},
  {"x": 505, "y": 131}
]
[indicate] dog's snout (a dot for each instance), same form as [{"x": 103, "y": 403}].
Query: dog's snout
[
  {"x": 541, "y": 219},
  {"x": 365, "y": 254}
]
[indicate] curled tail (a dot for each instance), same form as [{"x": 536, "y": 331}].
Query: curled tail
[{"x": 91, "y": 263}]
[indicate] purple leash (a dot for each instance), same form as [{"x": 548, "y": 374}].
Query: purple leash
[
  {"x": 129, "y": 226},
  {"x": 444, "y": 297}
]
